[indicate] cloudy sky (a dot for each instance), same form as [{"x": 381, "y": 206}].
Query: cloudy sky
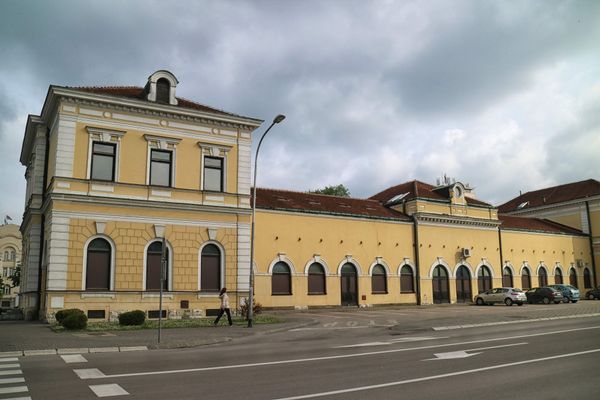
[{"x": 504, "y": 95}]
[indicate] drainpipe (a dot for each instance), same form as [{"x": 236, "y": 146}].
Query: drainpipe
[
  {"x": 43, "y": 225},
  {"x": 501, "y": 256},
  {"x": 589, "y": 221},
  {"x": 417, "y": 262}
]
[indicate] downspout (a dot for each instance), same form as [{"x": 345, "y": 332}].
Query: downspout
[
  {"x": 417, "y": 262},
  {"x": 501, "y": 256},
  {"x": 43, "y": 225},
  {"x": 589, "y": 221}
]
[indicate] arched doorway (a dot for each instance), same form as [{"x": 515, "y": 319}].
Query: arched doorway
[
  {"x": 441, "y": 294},
  {"x": 349, "y": 285},
  {"x": 507, "y": 278},
  {"x": 558, "y": 279},
  {"x": 463, "y": 285},
  {"x": 484, "y": 279},
  {"x": 542, "y": 277},
  {"x": 525, "y": 279},
  {"x": 573, "y": 278}
]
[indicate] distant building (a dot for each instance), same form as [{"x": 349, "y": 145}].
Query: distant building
[
  {"x": 127, "y": 167},
  {"x": 10, "y": 259}
]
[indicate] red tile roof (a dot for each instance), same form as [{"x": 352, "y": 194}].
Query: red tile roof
[
  {"x": 138, "y": 93},
  {"x": 553, "y": 195},
  {"x": 536, "y": 225},
  {"x": 273, "y": 199},
  {"x": 418, "y": 189}
]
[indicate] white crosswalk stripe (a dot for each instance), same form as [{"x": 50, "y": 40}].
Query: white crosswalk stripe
[
  {"x": 108, "y": 390},
  {"x": 10, "y": 369}
]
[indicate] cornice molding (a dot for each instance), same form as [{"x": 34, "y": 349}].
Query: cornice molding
[{"x": 455, "y": 220}]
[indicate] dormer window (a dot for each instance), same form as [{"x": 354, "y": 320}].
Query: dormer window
[{"x": 161, "y": 87}]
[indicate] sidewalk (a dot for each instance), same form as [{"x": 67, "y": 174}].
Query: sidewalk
[{"x": 19, "y": 336}]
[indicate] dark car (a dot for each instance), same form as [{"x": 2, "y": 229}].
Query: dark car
[
  {"x": 569, "y": 292},
  {"x": 545, "y": 295},
  {"x": 593, "y": 293}
]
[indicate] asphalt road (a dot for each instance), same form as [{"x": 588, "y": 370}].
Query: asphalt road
[{"x": 548, "y": 359}]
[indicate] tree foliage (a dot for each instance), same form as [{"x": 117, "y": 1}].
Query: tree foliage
[
  {"x": 339, "y": 190},
  {"x": 16, "y": 277}
]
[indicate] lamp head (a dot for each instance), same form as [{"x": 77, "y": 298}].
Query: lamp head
[{"x": 278, "y": 118}]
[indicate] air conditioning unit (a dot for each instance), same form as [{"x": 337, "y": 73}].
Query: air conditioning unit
[{"x": 466, "y": 252}]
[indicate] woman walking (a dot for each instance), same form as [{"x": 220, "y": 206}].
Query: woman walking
[{"x": 224, "y": 307}]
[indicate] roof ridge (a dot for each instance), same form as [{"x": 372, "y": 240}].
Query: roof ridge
[{"x": 318, "y": 194}]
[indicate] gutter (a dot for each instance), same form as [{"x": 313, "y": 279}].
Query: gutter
[
  {"x": 43, "y": 225},
  {"x": 590, "y": 236},
  {"x": 417, "y": 262}
]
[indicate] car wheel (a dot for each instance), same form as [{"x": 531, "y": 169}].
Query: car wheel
[
  {"x": 565, "y": 300},
  {"x": 574, "y": 301},
  {"x": 591, "y": 297},
  {"x": 546, "y": 300},
  {"x": 557, "y": 302},
  {"x": 479, "y": 301},
  {"x": 519, "y": 304},
  {"x": 508, "y": 302}
]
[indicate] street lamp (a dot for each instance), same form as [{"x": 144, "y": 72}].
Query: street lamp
[{"x": 276, "y": 120}]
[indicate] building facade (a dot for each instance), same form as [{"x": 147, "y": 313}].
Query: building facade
[
  {"x": 115, "y": 172},
  {"x": 10, "y": 260}
]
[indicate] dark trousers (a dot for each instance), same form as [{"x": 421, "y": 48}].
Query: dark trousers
[{"x": 224, "y": 310}]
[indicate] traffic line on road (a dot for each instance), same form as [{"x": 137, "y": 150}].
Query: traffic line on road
[
  {"x": 9, "y": 359},
  {"x": 4, "y": 381},
  {"x": 11, "y": 372},
  {"x": 433, "y": 377},
  {"x": 393, "y": 341},
  {"x": 451, "y": 355},
  {"x": 109, "y": 390},
  {"x": 453, "y": 327},
  {"x": 7, "y": 366},
  {"x": 336, "y": 327},
  {"x": 73, "y": 358},
  {"x": 95, "y": 373},
  {"x": 13, "y": 389}
]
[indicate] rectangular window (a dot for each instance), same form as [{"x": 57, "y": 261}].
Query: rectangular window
[
  {"x": 160, "y": 167},
  {"x": 213, "y": 174},
  {"x": 103, "y": 161}
]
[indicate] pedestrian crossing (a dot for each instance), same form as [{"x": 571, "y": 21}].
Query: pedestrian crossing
[{"x": 12, "y": 382}]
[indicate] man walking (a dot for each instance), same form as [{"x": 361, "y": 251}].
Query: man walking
[{"x": 224, "y": 307}]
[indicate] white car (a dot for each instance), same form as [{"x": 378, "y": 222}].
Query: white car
[{"x": 506, "y": 295}]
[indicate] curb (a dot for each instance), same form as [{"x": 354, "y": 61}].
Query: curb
[{"x": 65, "y": 351}]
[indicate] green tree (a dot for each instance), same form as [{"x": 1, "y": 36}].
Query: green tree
[
  {"x": 16, "y": 277},
  {"x": 339, "y": 190}
]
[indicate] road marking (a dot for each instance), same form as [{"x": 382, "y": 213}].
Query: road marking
[
  {"x": 11, "y": 372},
  {"x": 4, "y": 381},
  {"x": 19, "y": 398},
  {"x": 13, "y": 389},
  {"x": 393, "y": 341},
  {"x": 327, "y": 327},
  {"x": 109, "y": 390},
  {"x": 94, "y": 373},
  {"x": 463, "y": 353},
  {"x": 446, "y": 328},
  {"x": 73, "y": 358},
  {"x": 10, "y": 359},
  {"x": 433, "y": 377},
  {"x": 5, "y": 366}
]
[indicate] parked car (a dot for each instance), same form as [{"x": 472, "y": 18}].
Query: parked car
[
  {"x": 506, "y": 295},
  {"x": 545, "y": 295},
  {"x": 570, "y": 293},
  {"x": 593, "y": 293}
]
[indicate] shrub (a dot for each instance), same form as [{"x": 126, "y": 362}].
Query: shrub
[
  {"x": 75, "y": 320},
  {"x": 62, "y": 314},
  {"x": 137, "y": 317},
  {"x": 256, "y": 308}
]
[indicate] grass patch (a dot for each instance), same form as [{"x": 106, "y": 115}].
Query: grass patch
[{"x": 104, "y": 326}]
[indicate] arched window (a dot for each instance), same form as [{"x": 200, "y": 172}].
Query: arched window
[
  {"x": 6, "y": 256},
  {"x": 542, "y": 277},
  {"x": 573, "y": 278},
  {"x": 163, "y": 88},
  {"x": 97, "y": 273},
  {"x": 587, "y": 279},
  {"x": 441, "y": 288},
  {"x": 525, "y": 279},
  {"x": 13, "y": 255},
  {"x": 406, "y": 280},
  {"x": 558, "y": 278},
  {"x": 316, "y": 279},
  {"x": 210, "y": 269},
  {"x": 484, "y": 279},
  {"x": 281, "y": 281},
  {"x": 507, "y": 278},
  {"x": 378, "y": 280},
  {"x": 153, "y": 267}
]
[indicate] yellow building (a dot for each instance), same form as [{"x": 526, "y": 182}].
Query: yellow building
[
  {"x": 10, "y": 259},
  {"x": 114, "y": 171}
]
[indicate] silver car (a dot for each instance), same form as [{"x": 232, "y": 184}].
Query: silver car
[{"x": 506, "y": 295}]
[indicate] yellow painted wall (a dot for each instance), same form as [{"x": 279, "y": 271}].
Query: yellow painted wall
[{"x": 300, "y": 236}]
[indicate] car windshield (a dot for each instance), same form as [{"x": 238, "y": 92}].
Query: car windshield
[{"x": 515, "y": 290}]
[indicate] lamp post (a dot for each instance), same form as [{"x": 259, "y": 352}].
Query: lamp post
[{"x": 276, "y": 120}]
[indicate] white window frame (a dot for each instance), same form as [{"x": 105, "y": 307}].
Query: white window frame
[
  {"x": 214, "y": 150},
  {"x": 221, "y": 266},
  {"x": 169, "y": 265},
  {"x": 162, "y": 143},
  {"x": 113, "y": 256},
  {"x": 103, "y": 135}
]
